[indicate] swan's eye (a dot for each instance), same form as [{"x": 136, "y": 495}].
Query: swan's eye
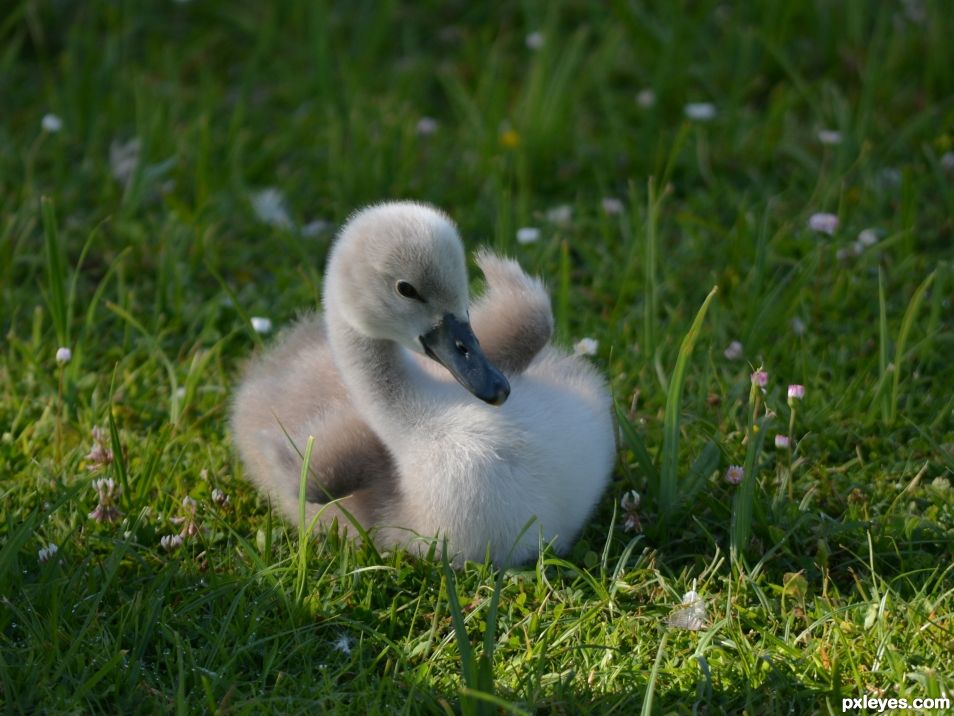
[{"x": 408, "y": 291}]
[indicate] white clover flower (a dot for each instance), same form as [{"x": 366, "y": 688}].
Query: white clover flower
[
  {"x": 52, "y": 124},
  {"x": 947, "y": 161},
  {"x": 612, "y": 206},
  {"x": 528, "y": 235},
  {"x": 733, "y": 351},
  {"x": 646, "y": 98},
  {"x": 734, "y": 474},
  {"x": 269, "y": 206},
  {"x": 782, "y": 442},
  {"x": 427, "y": 126},
  {"x": 219, "y": 497},
  {"x": 829, "y": 137},
  {"x": 824, "y": 223},
  {"x": 534, "y": 40},
  {"x": 586, "y": 347},
  {"x": 63, "y": 355},
  {"x": 106, "y": 493},
  {"x": 560, "y": 215},
  {"x": 124, "y": 158},
  {"x": 260, "y": 324},
  {"x": 700, "y": 111},
  {"x": 343, "y": 644},
  {"x": 691, "y": 615},
  {"x": 47, "y": 553},
  {"x": 797, "y": 326},
  {"x": 630, "y": 501},
  {"x": 171, "y": 542}
]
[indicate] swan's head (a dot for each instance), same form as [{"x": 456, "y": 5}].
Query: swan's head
[{"x": 397, "y": 272}]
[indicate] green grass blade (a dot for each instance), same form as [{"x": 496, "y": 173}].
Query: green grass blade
[
  {"x": 668, "y": 477},
  {"x": 647, "y": 708},
  {"x": 468, "y": 664},
  {"x": 303, "y": 533},
  {"x": 743, "y": 503},
  {"x": 906, "y": 323}
]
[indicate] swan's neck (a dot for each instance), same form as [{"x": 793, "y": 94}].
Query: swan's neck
[{"x": 380, "y": 377}]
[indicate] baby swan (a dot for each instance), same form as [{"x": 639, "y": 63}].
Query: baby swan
[{"x": 408, "y": 451}]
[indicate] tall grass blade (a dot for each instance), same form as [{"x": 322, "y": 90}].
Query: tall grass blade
[
  {"x": 647, "y": 708},
  {"x": 906, "y": 323},
  {"x": 469, "y": 705},
  {"x": 743, "y": 503},
  {"x": 668, "y": 477},
  {"x": 303, "y": 535}
]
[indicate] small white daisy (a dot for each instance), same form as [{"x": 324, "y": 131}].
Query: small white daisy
[
  {"x": 124, "y": 158},
  {"x": 824, "y": 223},
  {"x": 427, "y": 126},
  {"x": 560, "y": 215},
  {"x": 586, "y": 347},
  {"x": 51, "y": 123},
  {"x": 646, "y": 98},
  {"x": 700, "y": 111},
  {"x": 829, "y": 137},
  {"x": 612, "y": 206},
  {"x": 260, "y": 324},
  {"x": 528, "y": 235},
  {"x": 734, "y": 350},
  {"x": 269, "y": 206}
]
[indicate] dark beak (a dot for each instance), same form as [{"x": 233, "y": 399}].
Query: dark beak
[{"x": 452, "y": 343}]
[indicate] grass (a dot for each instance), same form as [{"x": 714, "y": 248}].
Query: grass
[{"x": 843, "y": 585}]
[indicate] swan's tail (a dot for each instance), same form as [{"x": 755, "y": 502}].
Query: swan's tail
[{"x": 513, "y": 319}]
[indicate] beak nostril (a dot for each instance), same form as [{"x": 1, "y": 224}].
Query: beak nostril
[{"x": 461, "y": 348}]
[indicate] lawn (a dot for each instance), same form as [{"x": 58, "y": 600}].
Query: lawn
[{"x": 170, "y": 170}]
